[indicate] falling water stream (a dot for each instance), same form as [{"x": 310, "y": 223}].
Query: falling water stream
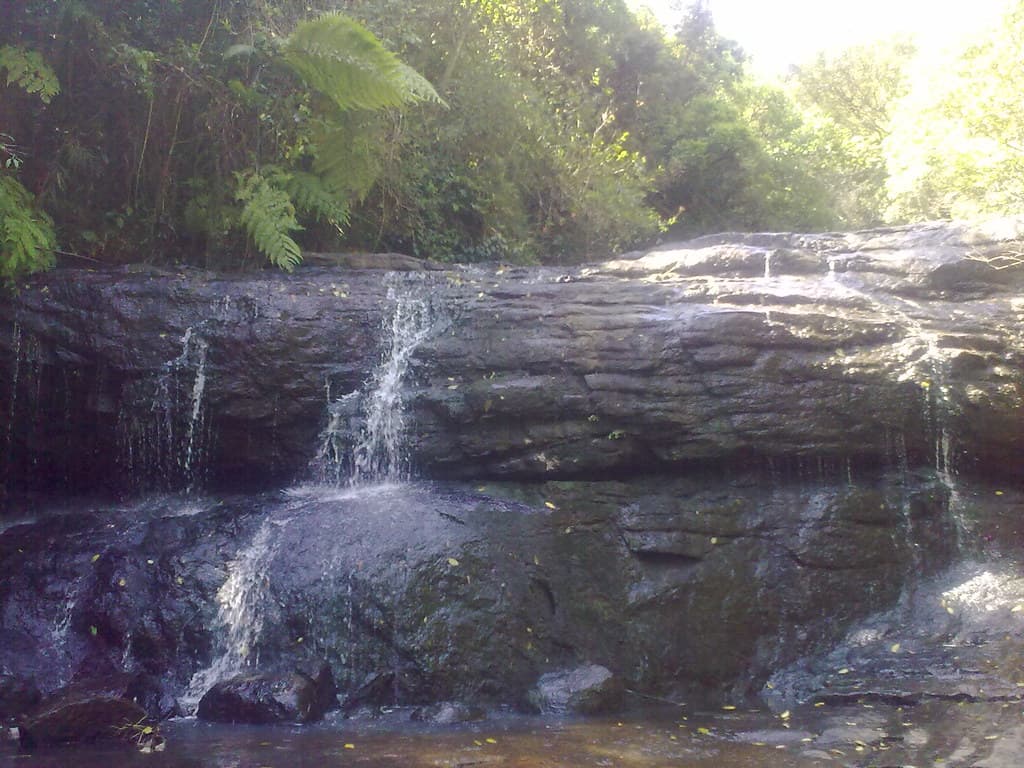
[
  {"x": 378, "y": 453},
  {"x": 376, "y": 458}
]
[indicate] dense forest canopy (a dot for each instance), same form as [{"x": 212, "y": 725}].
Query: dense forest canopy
[{"x": 230, "y": 132}]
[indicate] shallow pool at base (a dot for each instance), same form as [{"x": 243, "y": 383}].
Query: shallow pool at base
[{"x": 857, "y": 735}]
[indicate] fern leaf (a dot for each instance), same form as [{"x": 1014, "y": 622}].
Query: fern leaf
[
  {"x": 29, "y": 71},
  {"x": 312, "y": 196},
  {"x": 27, "y": 238},
  {"x": 344, "y": 61},
  {"x": 347, "y": 160},
  {"x": 268, "y": 217}
]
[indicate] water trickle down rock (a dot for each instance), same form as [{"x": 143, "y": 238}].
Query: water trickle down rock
[
  {"x": 377, "y": 452},
  {"x": 241, "y": 614},
  {"x": 162, "y": 429},
  {"x": 13, "y": 402},
  {"x": 378, "y": 455}
]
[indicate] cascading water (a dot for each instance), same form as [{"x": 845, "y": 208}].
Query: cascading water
[
  {"x": 164, "y": 446},
  {"x": 376, "y": 455},
  {"x": 241, "y": 613},
  {"x": 927, "y": 364},
  {"x": 378, "y": 452},
  {"x": 12, "y": 405}
]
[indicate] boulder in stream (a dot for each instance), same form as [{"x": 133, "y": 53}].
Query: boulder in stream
[
  {"x": 587, "y": 690},
  {"x": 261, "y": 699},
  {"x": 98, "y": 709}
]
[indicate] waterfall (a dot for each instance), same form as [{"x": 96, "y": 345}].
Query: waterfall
[
  {"x": 162, "y": 430},
  {"x": 241, "y": 613},
  {"x": 926, "y": 363},
  {"x": 377, "y": 452},
  {"x": 12, "y": 407},
  {"x": 195, "y": 415}
]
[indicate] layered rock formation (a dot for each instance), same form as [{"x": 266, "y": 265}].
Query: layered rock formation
[{"x": 692, "y": 467}]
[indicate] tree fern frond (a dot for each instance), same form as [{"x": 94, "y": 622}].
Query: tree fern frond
[
  {"x": 268, "y": 217},
  {"x": 344, "y": 61},
  {"x": 417, "y": 85},
  {"x": 312, "y": 196},
  {"x": 346, "y": 160}
]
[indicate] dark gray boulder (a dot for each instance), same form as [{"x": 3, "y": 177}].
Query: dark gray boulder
[
  {"x": 587, "y": 690},
  {"x": 18, "y": 696},
  {"x": 695, "y": 466},
  {"x": 448, "y": 713},
  {"x": 98, "y": 709},
  {"x": 262, "y": 699}
]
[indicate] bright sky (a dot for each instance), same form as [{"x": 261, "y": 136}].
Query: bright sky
[{"x": 780, "y": 33}]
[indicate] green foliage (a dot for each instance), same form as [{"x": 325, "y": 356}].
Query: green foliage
[
  {"x": 27, "y": 239},
  {"x": 268, "y": 217},
  {"x": 311, "y": 195},
  {"x": 345, "y": 62},
  {"x": 27, "y": 70},
  {"x": 848, "y": 101},
  {"x": 957, "y": 148}
]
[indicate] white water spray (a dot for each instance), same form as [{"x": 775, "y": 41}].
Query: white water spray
[
  {"x": 162, "y": 440},
  {"x": 241, "y": 614},
  {"x": 378, "y": 453}
]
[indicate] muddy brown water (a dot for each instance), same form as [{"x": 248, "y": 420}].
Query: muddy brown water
[{"x": 935, "y": 733}]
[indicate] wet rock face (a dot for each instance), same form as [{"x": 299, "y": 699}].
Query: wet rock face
[
  {"x": 874, "y": 348},
  {"x": 692, "y": 468},
  {"x": 417, "y": 593}
]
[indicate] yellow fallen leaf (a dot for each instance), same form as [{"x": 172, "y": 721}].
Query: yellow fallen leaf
[
  {"x": 714, "y": 539},
  {"x": 489, "y": 740},
  {"x": 453, "y": 562},
  {"x": 350, "y": 746},
  {"x": 999, "y": 493},
  {"x": 121, "y": 582},
  {"x": 549, "y": 505},
  {"x": 819, "y": 703},
  {"x": 95, "y": 558},
  {"x": 784, "y": 715},
  {"x": 1017, "y": 608},
  {"x": 703, "y": 731},
  {"x": 729, "y": 707},
  {"x": 844, "y": 671},
  {"x": 894, "y": 648}
]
